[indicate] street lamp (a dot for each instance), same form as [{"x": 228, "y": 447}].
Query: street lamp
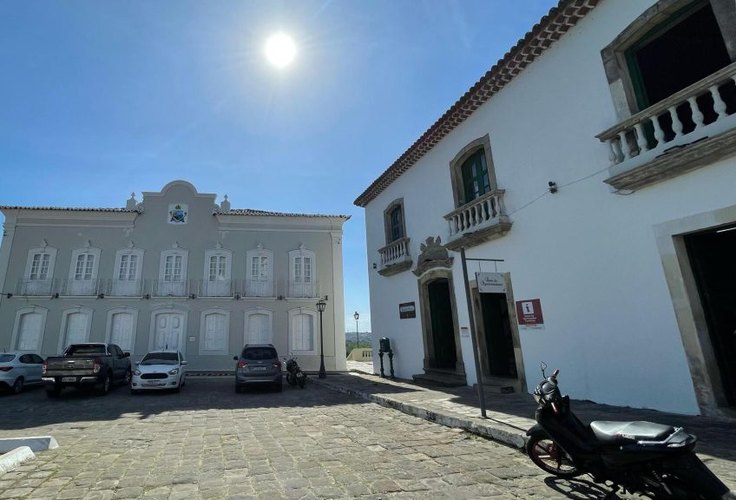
[
  {"x": 357, "y": 334},
  {"x": 321, "y": 308}
]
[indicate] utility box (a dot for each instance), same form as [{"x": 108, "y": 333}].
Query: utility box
[{"x": 384, "y": 344}]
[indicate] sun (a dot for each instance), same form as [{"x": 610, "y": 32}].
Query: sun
[{"x": 280, "y": 49}]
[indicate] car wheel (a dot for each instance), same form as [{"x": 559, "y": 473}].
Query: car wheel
[
  {"x": 18, "y": 385},
  {"x": 105, "y": 384},
  {"x": 128, "y": 376}
]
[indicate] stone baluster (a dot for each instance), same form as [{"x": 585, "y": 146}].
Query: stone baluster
[
  {"x": 676, "y": 123},
  {"x": 658, "y": 132},
  {"x": 697, "y": 115},
  {"x": 624, "y": 144},
  {"x": 641, "y": 139},
  {"x": 718, "y": 105},
  {"x": 613, "y": 156}
]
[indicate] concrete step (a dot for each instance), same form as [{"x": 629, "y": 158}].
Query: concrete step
[{"x": 440, "y": 378}]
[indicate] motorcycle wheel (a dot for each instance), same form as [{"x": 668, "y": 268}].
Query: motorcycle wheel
[
  {"x": 550, "y": 457},
  {"x": 290, "y": 379},
  {"x": 302, "y": 381}
]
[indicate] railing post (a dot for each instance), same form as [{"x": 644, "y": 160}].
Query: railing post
[
  {"x": 697, "y": 115},
  {"x": 718, "y": 105}
]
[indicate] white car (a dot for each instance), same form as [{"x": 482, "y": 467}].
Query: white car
[
  {"x": 18, "y": 369},
  {"x": 159, "y": 370}
]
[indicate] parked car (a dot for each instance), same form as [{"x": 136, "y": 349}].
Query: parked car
[
  {"x": 258, "y": 364},
  {"x": 86, "y": 366},
  {"x": 18, "y": 369},
  {"x": 159, "y": 370}
]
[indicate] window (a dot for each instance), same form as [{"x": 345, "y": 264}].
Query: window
[
  {"x": 39, "y": 271},
  {"x": 302, "y": 273},
  {"x": 217, "y": 272},
  {"x": 214, "y": 332},
  {"x": 127, "y": 275},
  {"x": 671, "y": 46},
  {"x": 75, "y": 327},
  {"x": 83, "y": 272},
  {"x": 472, "y": 172},
  {"x": 259, "y": 268},
  {"x": 173, "y": 273},
  {"x": 302, "y": 331},
  {"x": 258, "y": 328},
  {"x": 85, "y": 264},
  {"x": 393, "y": 221},
  {"x": 28, "y": 329},
  {"x": 121, "y": 327}
]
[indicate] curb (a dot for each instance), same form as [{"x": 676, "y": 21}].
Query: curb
[
  {"x": 14, "y": 458},
  {"x": 497, "y": 431},
  {"x": 34, "y": 443}
]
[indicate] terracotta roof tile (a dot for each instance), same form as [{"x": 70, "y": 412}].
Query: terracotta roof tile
[{"x": 542, "y": 35}]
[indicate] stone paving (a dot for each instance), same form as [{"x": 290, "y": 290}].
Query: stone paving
[{"x": 208, "y": 442}]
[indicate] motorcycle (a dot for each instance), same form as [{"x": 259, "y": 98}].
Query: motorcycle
[
  {"x": 638, "y": 457},
  {"x": 294, "y": 374}
]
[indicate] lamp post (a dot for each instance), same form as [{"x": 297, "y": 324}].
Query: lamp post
[
  {"x": 357, "y": 334},
  {"x": 321, "y": 308}
]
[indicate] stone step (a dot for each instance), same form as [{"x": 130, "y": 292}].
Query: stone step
[{"x": 442, "y": 379}]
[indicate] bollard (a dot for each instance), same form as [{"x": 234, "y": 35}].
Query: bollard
[{"x": 385, "y": 348}]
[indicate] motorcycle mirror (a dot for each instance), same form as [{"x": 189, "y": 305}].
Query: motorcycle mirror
[{"x": 543, "y": 366}]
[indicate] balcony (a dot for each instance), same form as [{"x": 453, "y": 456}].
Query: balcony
[
  {"x": 303, "y": 290},
  {"x": 690, "y": 129},
  {"x": 125, "y": 288},
  {"x": 216, "y": 288},
  {"x": 82, "y": 288},
  {"x": 395, "y": 257},
  {"x": 163, "y": 288},
  {"x": 481, "y": 220}
]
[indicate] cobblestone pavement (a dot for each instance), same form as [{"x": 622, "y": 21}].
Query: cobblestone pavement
[{"x": 208, "y": 442}]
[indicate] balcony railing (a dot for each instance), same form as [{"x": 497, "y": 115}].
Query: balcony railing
[
  {"x": 216, "y": 288},
  {"x": 253, "y": 288},
  {"x": 90, "y": 287},
  {"x": 480, "y": 220},
  {"x": 163, "y": 288},
  {"x": 395, "y": 257},
  {"x": 124, "y": 288},
  {"x": 698, "y": 119},
  {"x": 304, "y": 290},
  {"x": 36, "y": 287}
]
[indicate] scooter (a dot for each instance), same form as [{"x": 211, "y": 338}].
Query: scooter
[
  {"x": 639, "y": 457},
  {"x": 294, "y": 374}
]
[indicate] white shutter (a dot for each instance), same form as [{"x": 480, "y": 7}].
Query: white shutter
[
  {"x": 29, "y": 338},
  {"x": 76, "y": 328},
  {"x": 122, "y": 331}
]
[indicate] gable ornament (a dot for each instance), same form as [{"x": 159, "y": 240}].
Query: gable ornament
[{"x": 433, "y": 254}]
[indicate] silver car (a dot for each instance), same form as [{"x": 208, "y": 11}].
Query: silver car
[
  {"x": 159, "y": 370},
  {"x": 258, "y": 365},
  {"x": 18, "y": 369}
]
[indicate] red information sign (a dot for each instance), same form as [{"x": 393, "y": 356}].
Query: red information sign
[{"x": 529, "y": 312}]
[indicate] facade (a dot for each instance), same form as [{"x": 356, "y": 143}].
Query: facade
[
  {"x": 176, "y": 271},
  {"x": 592, "y": 170}
]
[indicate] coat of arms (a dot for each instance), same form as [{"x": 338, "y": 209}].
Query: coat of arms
[{"x": 178, "y": 213}]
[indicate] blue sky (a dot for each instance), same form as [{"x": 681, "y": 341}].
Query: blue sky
[{"x": 99, "y": 99}]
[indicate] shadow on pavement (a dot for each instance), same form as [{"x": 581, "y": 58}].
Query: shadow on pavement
[{"x": 579, "y": 489}]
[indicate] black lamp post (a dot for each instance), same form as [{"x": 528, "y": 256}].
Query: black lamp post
[
  {"x": 321, "y": 308},
  {"x": 357, "y": 334}
]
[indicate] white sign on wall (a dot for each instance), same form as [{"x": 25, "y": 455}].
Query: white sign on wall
[{"x": 490, "y": 282}]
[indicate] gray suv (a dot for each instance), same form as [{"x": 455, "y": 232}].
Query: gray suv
[{"x": 258, "y": 364}]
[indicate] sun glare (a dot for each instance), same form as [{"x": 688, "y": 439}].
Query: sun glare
[{"x": 280, "y": 49}]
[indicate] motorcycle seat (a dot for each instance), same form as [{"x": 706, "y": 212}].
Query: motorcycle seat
[{"x": 617, "y": 432}]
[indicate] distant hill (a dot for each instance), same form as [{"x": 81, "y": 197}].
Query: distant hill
[{"x": 364, "y": 337}]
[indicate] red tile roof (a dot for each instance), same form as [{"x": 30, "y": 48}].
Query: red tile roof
[{"x": 548, "y": 30}]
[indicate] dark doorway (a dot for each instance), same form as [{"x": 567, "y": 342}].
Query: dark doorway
[
  {"x": 498, "y": 336},
  {"x": 713, "y": 259},
  {"x": 443, "y": 330}
]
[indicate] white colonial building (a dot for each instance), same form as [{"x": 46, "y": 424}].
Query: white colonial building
[
  {"x": 593, "y": 170},
  {"x": 176, "y": 271}
]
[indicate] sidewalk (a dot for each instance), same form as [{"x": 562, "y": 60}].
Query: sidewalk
[{"x": 510, "y": 415}]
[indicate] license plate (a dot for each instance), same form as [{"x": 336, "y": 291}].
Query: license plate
[
  {"x": 68, "y": 379},
  {"x": 155, "y": 383},
  {"x": 259, "y": 368}
]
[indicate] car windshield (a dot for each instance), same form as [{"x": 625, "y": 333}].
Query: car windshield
[
  {"x": 160, "y": 358},
  {"x": 6, "y": 358},
  {"x": 85, "y": 350},
  {"x": 259, "y": 353}
]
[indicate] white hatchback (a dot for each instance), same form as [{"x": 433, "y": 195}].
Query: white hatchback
[{"x": 159, "y": 370}]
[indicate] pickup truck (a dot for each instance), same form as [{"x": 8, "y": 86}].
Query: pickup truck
[{"x": 91, "y": 365}]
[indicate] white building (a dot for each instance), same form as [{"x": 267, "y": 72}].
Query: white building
[
  {"x": 175, "y": 271},
  {"x": 594, "y": 163}
]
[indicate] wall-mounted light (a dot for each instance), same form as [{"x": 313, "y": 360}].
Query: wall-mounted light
[
  {"x": 147, "y": 296},
  {"x": 55, "y": 295},
  {"x": 552, "y": 187},
  {"x": 100, "y": 295},
  {"x": 8, "y": 295},
  {"x": 193, "y": 296},
  {"x": 236, "y": 296}
]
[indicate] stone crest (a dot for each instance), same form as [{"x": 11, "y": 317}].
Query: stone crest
[
  {"x": 178, "y": 213},
  {"x": 434, "y": 254}
]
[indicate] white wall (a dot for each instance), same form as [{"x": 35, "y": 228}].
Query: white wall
[{"x": 588, "y": 254}]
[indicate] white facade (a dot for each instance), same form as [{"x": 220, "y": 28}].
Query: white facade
[
  {"x": 176, "y": 271},
  {"x": 608, "y": 265}
]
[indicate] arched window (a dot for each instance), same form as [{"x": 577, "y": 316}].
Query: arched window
[
  {"x": 121, "y": 327},
  {"x": 259, "y": 327},
  {"x": 472, "y": 172},
  {"x": 173, "y": 273},
  {"x": 75, "y": 327},
  {"x": 39, "y": 271},
  {"x": 302, "y": 271},
  {"x": 301, "y": 330},
  {"x": 83, "y": 272},
  {"x": 259, "y": 272},
  {"x": 29, "y": 328},
  {"x": 217, "y": 273},
  {"x": 214, "y": 332},
  {"x": 126, "y": 279}
]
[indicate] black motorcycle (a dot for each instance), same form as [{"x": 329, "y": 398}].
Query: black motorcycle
[
  {"x": 638, "y": 457},
  {"x": 294, "y": 374}
]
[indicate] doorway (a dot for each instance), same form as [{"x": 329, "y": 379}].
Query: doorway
[
  {"x": 443, "y": 328},
  {"x": 169, "y": 332},
  {"x": 498, "y": 335},
  {"x": 711, "y": 254}
]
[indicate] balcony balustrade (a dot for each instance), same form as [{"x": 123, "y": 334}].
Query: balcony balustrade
[
  {"x": 395, "y": 257},
  {"x": 124, "y": 288},
  {"x": 689, "y": 129},
  {"x": 36, "y": 287},
  {"x": 216, "y": 288},
  {"x": 73, "y": 287},
  {"x": 482, "y": 219},
  {"x": 304, "y": 290},
  {"x": 163, "y": 288}
]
